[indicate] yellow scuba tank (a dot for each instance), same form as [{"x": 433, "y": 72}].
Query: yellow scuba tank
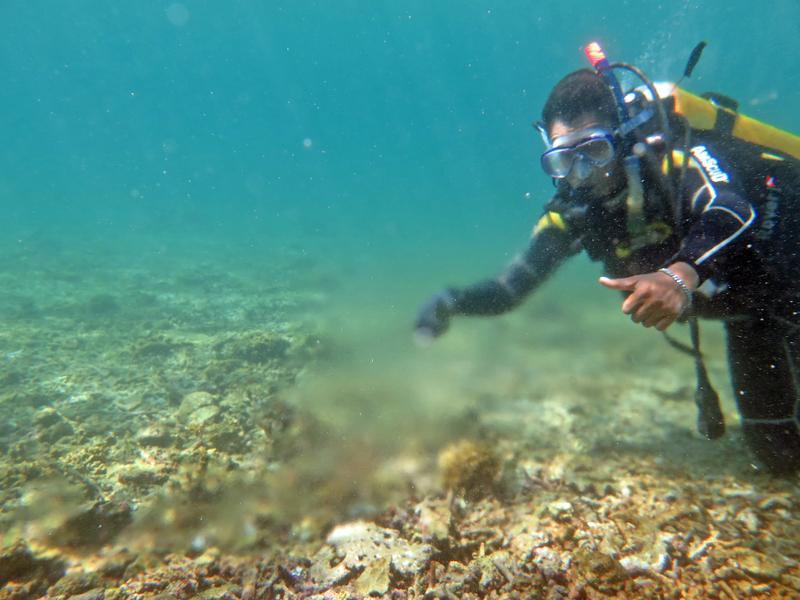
[{"x": 707, "y": 114}]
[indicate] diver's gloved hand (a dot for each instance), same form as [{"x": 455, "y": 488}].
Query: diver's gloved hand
[{"x": 433, "y": 318}]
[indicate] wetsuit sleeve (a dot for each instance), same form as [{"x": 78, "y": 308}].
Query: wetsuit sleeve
[
  {"x": 549, "y": 246},
  {"x": 720, "y": 217}
]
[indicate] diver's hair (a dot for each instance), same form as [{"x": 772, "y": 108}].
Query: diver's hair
[{"x": 580, "y": 93}]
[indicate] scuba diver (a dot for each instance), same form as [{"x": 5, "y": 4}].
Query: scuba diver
[{"x": 693, "y": 210}]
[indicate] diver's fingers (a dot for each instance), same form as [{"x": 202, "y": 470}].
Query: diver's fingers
[
  {"x": 633, "y": 302},
  {"x": 626, "y": 284},
  {"x": 653, "y": 317},
  {"x": 664, "y": 323},
  {"x": 642, "y": 313}
]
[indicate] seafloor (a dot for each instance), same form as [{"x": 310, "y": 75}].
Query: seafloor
[{"x": 193, "y": 423}]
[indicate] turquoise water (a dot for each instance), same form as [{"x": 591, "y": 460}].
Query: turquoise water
[
  {"x": 192, "y": 118},
  {"x": 190, "y": 158},
  {"x": 398, "y": 136}
]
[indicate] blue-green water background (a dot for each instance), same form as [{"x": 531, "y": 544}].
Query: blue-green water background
[
  {"x": 190, "y": 118},
  {"x": 389, "y": 142}
]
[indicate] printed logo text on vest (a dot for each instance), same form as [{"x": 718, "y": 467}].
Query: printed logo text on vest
[{"x": 710, "y": 165}]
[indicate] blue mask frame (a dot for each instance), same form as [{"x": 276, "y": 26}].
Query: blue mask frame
[{"x": 594, "y": 148}]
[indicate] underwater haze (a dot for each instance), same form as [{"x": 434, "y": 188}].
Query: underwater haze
[{"x": 219, "y": 221}]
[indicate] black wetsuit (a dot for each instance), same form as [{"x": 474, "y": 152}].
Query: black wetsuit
[{"x": 734, "y": 218}]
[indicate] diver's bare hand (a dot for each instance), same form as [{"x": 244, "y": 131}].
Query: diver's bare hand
[{"x": 655, "y": 300}]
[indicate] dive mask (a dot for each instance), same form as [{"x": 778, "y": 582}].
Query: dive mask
[{"x": 595, "y": 148}]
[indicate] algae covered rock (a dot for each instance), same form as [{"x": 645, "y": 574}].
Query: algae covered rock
[
  {"x": 487, "y": 573},
  {"x": 73, "y": 584},
  {"x": 434, "y": 521},
  {"x": 597, "y": 569},
  {"x": 226, "y": 437},
  {"x": 101, "y": 305},
  {"x": 156, "y": 435},
  {"x": 255, "y": 347},
  {"x": 47, "y": 417},
  {"x": 221, "y": 592},
  {"x": 51, "y": 426},
  {"x": 97, "y": 593},
  {"x": 142, "y": 476},
  {"x": 19, "y": 563},
  {"x": 93, "y": 526},
  {"x": 198, "y": 408}
]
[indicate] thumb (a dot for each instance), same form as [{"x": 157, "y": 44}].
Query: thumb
[{"x": 624, "y": 283}]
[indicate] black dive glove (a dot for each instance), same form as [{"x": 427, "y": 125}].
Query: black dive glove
[{"x": 433, "y": 318}]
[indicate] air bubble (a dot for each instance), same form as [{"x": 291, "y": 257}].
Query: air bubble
[{"x": 177, "y": 14}]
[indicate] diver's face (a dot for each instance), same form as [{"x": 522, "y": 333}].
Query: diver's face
[{"x": 597, "y": 180}]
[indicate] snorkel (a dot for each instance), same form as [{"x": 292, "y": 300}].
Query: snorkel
[
  {"x": 599, "y": 61},
  {"x": 636, "y": 148},
  {"x": 633, "y": 142},
  {"x": 629, "y": 122}
]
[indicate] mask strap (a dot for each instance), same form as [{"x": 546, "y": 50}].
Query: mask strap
[{"x": 539, "y": 125}]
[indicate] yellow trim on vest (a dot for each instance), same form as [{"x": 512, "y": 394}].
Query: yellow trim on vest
[
  {"x": 770, "y": 156},
  {"x": 550, "y": 219},
  {"x": 623, "y": 251},
  {"x": 677, "y": 159},
  {"x": 655, "y": 233},
  {"x": 702, "y": 114}
]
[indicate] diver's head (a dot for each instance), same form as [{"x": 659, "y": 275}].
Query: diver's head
[{"x": 580, "y": 120}]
